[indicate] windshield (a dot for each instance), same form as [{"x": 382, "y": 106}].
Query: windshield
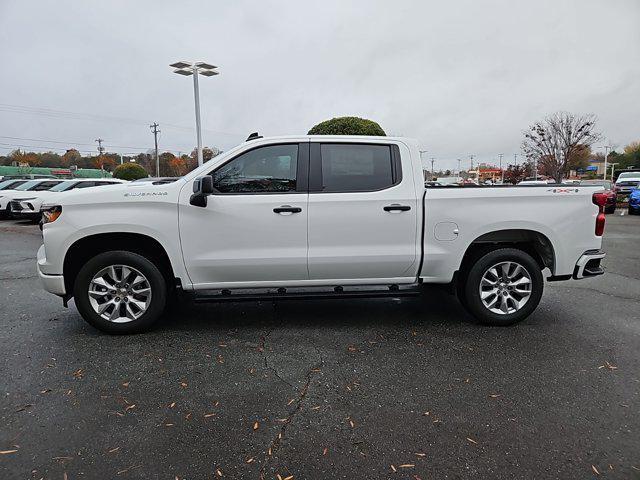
[
  {"x": 7, "y": 184},
  {"x": 28, "y": 185},
  {"x": 61, "y": 187},
  {"x": 629, "y": 176}
]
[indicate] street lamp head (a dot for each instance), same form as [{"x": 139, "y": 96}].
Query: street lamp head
[
  {"x": 183, "y": 72},
  {"x": 205, "y": 66},
  {"x": 209, "y": 73},
  {"x": 180, "y": 65}
]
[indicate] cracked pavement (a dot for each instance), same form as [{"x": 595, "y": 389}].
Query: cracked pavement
[{"x": 398, "y": 389}]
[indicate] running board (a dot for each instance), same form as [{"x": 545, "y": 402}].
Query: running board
[{"x": 283, "y": 294}]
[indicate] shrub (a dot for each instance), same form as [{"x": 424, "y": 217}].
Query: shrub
[
  {"x": 347, "y": 126},
  {"x": 129, "y": 171}
]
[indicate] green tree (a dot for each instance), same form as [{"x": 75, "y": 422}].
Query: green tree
[
  {"x": 129, "y": 171},
  {"x": 347, "y": 126}
]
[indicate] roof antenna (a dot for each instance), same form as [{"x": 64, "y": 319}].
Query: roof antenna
[{"x": 253, "y": 136}]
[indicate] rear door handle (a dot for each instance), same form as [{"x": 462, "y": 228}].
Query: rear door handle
[
  {"x": 287, "y": 209},
  {"x": 396, "y": 208}
]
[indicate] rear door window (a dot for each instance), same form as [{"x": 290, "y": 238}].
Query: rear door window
[{"x": 357, "y": 167}]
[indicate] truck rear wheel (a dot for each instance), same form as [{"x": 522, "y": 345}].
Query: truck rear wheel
[
  {"x": 503, "y": 287},
  {"x": 120, "y": 292}
]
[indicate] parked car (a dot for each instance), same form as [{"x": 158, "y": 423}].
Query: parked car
[
  {"x": 10, "y": 184},
  {"x": 634, "y": 201},
  {"x": 29, "y": 186},
  {"x": 626, "y": 182},
  {"x": 29, "y": 204},
  {"x": 612, "y": 198},
  {"x": 348, "y": 216},
  {"x": 156, "y": 180}
]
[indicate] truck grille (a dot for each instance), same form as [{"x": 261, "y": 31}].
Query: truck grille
[{"x": 15, "y": 206}]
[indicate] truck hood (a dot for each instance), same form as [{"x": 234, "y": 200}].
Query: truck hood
[{"x": 125, "y": 192}]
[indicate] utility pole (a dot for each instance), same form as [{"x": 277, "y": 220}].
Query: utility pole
[
  {"x": 459, "y": 171},
  {"x": 421, "y": 164},
  {"x": 154, "y": 128},
  {"x": 500, "y": 155},
  {"x": 100, "y": 147},
  {"x": 471, "y": 169},
  {"x": 432, "y": 160},
  {"x": 606, "y": 155},
  {"x": 515, "y": 159}
]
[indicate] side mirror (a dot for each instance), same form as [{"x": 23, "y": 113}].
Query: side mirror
[{"x": 202, "y": 188}]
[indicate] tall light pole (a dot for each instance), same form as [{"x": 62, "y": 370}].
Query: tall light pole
[
  {"x": 500, "y": 155},
  {"x": 606, "y": 154},
  {"x": 432, "y": 160},
  {"x": 459, "y": 167},
  {"x": 195, "y": 69}
]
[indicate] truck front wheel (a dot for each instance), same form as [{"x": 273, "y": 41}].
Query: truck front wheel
[
  {"x": 503, "y": 287},
  {"x": 120, "y": 292}
]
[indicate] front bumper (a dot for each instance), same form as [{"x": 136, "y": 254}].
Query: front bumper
[
  {"x": 588, "y": 265},
  {"x": 51, "y": 283}
]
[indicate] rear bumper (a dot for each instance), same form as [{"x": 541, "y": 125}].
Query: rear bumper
[
  {"x": 51, "y": 283},
  {"x": 588, "y": 265}
]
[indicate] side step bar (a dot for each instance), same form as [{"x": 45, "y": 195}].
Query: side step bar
[{"x": 283, "y": 294}]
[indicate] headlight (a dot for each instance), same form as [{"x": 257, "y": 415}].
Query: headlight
[{"x": 50, "y": 213}]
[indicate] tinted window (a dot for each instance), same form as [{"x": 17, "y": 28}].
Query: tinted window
[
  {"x": 61, "y": 187},
  {"x": 44, "y": 186},
  {"x": 265, "y": 169},
  {"x": 356, "y": 168},
  {"x": 84, "y": 185},
  {"x": 10, "y": 184}
]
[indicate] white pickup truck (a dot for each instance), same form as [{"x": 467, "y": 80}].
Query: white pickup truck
[{"x": 314, "y": 217}]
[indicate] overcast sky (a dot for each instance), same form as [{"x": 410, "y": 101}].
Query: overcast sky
[{"x": 463, "y": 77}]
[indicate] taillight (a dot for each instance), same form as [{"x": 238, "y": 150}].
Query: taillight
[
  {"x": 600, "y": 224},
  {"x": 600, "y": 199}
]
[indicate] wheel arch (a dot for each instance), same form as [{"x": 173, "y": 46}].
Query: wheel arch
[
  {"x": 87, "y": 247},
  {"x": 532, "y": 242}
]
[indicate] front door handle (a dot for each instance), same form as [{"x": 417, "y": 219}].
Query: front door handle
[
  {"x": 287, "y": 209},
  {"x": 396, "y": 208}
]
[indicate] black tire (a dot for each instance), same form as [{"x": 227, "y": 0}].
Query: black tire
[
  {"x": 610, "y": 210},
  {"x": 155, "y": 279},
  {"x": 472, "y": 301},
  {"x": 631, "y": 211}
]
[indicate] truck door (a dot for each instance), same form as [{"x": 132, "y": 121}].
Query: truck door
[
  {"x": 255, "y": 229},
  {"x": 363, "y": 212}
]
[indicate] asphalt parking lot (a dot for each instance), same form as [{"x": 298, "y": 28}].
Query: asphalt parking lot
[{"x": 404, "y": 389}]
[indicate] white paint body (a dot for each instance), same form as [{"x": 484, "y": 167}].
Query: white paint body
[{"x": 237, "y": 241}]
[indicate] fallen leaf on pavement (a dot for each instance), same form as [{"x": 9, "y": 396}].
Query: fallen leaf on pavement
[
  {"x": 324, "y": 451},
  {"x": 113, "y": 450},
  {"x": 125, "y": 384},
  {"x": 219, "y": 472},
  {"x": 256, "y": 426},
  {"x": 6, "y": 452},
  {"x": 472, "y": 440},
  {"x": 250, "y": 460},
  {"x": 407, "y": 465},
  {"x": 394, "y": 468},
  {"x": 595, "y": 470}
]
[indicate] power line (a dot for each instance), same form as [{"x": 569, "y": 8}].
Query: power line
[
  {"x": 69, "y": 115},
  {"x": 107, "y": 145}
]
